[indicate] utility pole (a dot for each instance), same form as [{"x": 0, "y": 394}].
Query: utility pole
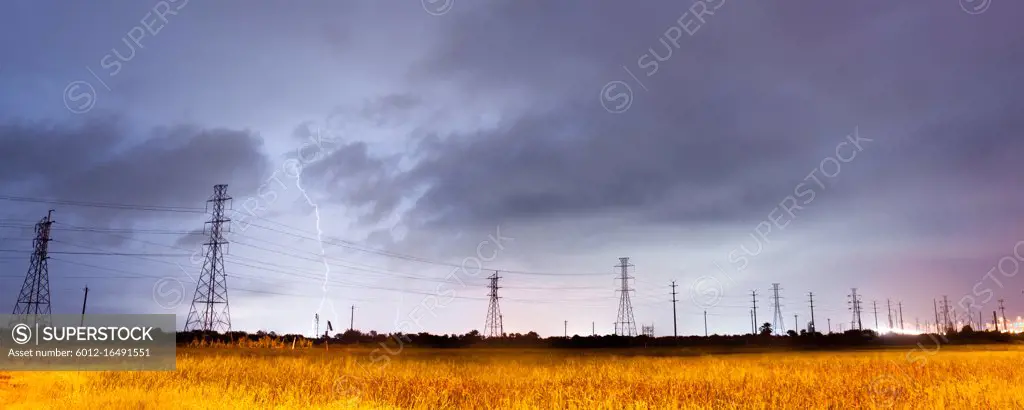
[
  {"x": 753, "y": 329},
  {"x": 874, "y": 304},
  {"x": 566, "y": 329},
  {"x": 901, "y": 315},
  {"x": 753, "y": 298},
  {"x": 494, "y": 326},
  {"x": 945, "y": 313},
  {"x": 778, "y": 326},
  {"x": 316, "y": 325},
  {"x": 352, "y": 319},
  {"x": 33, "y": 304},
  {"x": 593, "y": 329},
  {"x": 888, "y": 308},
  {"x": 796, "y": 323},
  {"x": 829, "y": 325},
  {"x": 917, "y": 324},
  {"x": 1002, "y": 313},
  {"x": 970, "y": 319},
  {"x": 84, "y": 299},
  {"x": 810, "y": 295},
  {"x": 624, "y": 324},
  {"x": 210, "y": 310},
  {"x": 675, "y": 326},
  {"x": 995, "y": 321},
  {"x": 705, "y": 323},
  {"x": 935, "y": 306}
]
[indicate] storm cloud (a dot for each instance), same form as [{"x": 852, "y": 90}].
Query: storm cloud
[{"x": 681, "y": 134}]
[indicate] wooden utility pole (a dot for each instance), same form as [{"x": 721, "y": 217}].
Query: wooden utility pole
[
  {"x": 874, "y": 304},
  {"x": 352, "y": 319},
  {"x": 705, "y": 323},
  {"x": 812, "y": 329},
  {"x": 84, "y": 299},
  {"x": 900, "y": 304},
  {"x": 1002, "y": 314},
  {"x": 753, "y": 313},
  {"x": 888, "y": 308},
  {"x": 675, "y": 326}
]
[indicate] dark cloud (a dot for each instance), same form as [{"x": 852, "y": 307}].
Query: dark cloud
[
  {"x": 103, "y": 162},
  {"x": 192, "y": 240},
  {"x": 490, "y": 116},
  {"x": 732, "y": 121}
]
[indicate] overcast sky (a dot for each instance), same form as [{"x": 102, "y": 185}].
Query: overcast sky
[{"x": 725, "y": 146}]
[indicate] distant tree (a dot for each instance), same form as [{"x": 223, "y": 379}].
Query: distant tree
[
  {"x": 967, "y": 329},
  {"x": 791, "y": 333},
  {"x": 766, "y": 329}
]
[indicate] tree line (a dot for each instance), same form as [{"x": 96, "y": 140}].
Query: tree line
[{"x": 765, "y": 338}]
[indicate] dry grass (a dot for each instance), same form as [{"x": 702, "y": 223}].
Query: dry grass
[{"x": 235, "y": 378}]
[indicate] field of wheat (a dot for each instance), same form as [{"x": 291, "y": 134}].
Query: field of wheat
[{"x": 976, "y": 377}]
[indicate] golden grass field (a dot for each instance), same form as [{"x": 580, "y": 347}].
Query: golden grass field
[{"x": 975, "y": 377}]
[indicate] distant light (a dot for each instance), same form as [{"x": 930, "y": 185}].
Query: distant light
[{"x": 885, "y": 330}]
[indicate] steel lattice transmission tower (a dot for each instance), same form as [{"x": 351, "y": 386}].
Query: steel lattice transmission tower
[
  {"x": 778, "y": 323},
  {"x": 855, "y": 302},
  {"x": 33, "y": 305},
  {"x": 210, "y": 310},
  {"x": 494, "y": 325},
  {"x": 624, "y": 324}
]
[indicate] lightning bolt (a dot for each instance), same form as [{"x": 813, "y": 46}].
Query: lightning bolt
[{"x": 319, "y": 239}]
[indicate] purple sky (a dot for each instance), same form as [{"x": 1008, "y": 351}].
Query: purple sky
[{"x": 820, "y": 145}]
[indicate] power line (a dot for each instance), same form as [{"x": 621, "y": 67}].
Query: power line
[
  {"x": 335, "y": 284},
  {"x": 353, "y": 246},
  {"x": 103, "y": 253},
  {"x": 153, "y": 208},
  {"x": 327, "y": 241}
]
